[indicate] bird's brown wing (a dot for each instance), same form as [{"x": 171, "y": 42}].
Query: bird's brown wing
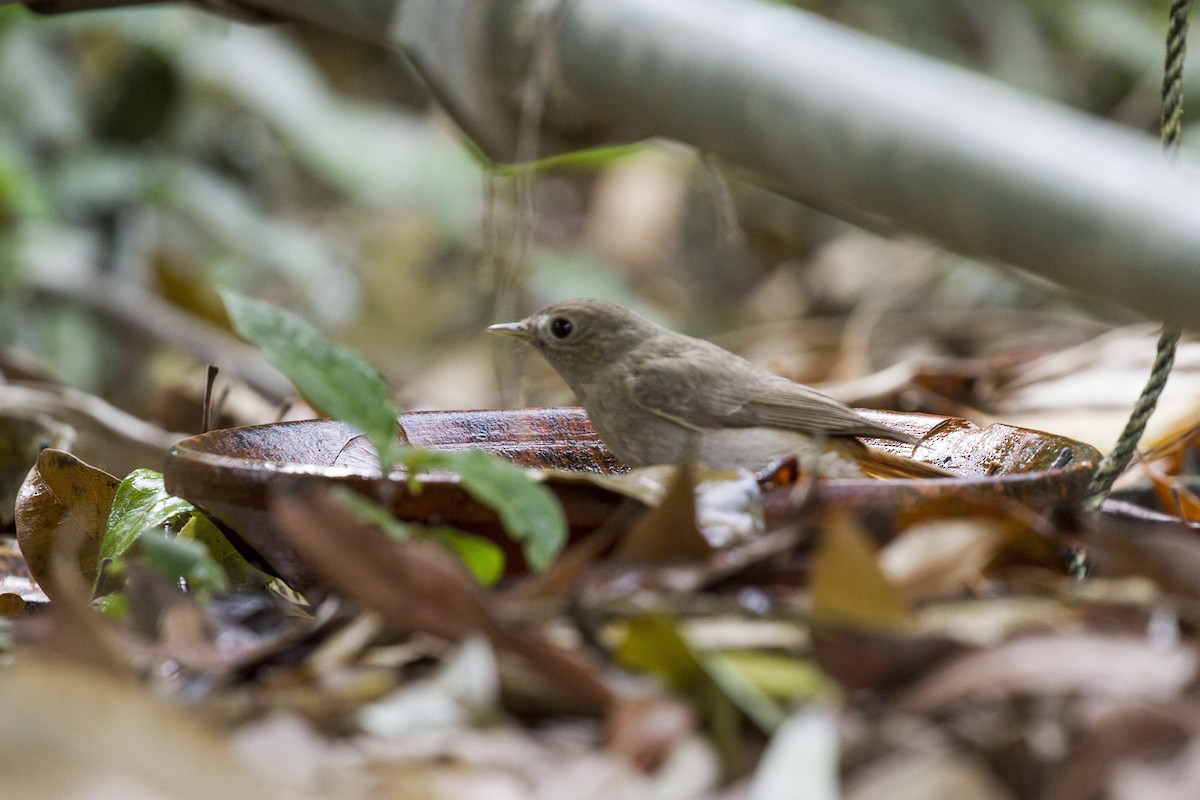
[
  {"x": 733, "y": 393},
  {"x": 792, "y": 406}
]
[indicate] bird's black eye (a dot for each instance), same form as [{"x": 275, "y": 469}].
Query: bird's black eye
[{"x": 561, "y": 327}]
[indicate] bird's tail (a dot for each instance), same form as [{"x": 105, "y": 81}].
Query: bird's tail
[{"x": 876, "y": 463}]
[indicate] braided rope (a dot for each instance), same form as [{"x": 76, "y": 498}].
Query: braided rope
[
  {"x": 1170, "y": 127},
  {"x": 1171, "y": 120}
]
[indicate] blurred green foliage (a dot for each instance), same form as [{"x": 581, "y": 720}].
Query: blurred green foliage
[{"x": 172, "y": 150}]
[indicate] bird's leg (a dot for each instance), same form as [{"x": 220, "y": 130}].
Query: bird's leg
[{"x": 783, "y": 471}]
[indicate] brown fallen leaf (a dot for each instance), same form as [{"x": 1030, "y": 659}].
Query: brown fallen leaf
[
  {"x": 417, "y": 586},
  {"x": 1166, "y": 553},
  {"x": 865, "y": 659},
  {"x": 668, "y": 531},
  {"x": 1125, "y": 733},
  {"x": 11, "y": 605},
  {"x": 63, "y": 509},
  {"x": 71, "y": 731},
  {"x": 1175, "y": 498},
  {"x": 646, "y": 729}
]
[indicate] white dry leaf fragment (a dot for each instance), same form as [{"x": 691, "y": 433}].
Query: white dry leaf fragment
[
  {"x": 934, "y": 775},
  {"x": 464, "y": 691},
  {"x": 990, "y": 620},
  {"x": 801, "y": 761},
  {"x": 691, "y": 770},
  {"x": 729, "y": 509},
  {"x": 729, "y": 505},
  {"x": 1112, "y": 667},
  {"x": 285, "y": 750},
  {"x": 1085, "y": 392},
  {"x": 939, "y": 558},
  {"x": 1159, "y": 780}
]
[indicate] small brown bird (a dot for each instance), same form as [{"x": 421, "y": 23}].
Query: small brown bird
[{"x": 655, "y": 396}]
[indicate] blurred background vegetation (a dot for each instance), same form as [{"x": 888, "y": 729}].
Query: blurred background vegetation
[{"x": 149, "y": 155}]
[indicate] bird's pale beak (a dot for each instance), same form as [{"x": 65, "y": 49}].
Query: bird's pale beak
[{"x": 515, "y": 329}]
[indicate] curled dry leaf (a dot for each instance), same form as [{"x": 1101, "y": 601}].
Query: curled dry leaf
[{"x": 62, "y": 509}]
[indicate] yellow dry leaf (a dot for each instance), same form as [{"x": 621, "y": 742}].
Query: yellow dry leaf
[{"x": 847, "y": 586}]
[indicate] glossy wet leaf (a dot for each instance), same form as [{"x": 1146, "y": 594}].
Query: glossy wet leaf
[
  {"x": 141, "y": 503},
  {"x": 847, "y": 586},
  {"x": 528, "y": 510},
  {"x": 62, "y": 509},
  {"x": 336, "y": 381}
]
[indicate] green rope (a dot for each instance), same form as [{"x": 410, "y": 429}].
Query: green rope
[
  {"x": 1170, "y": 127},
  {"x": 1171, "y": 120}
]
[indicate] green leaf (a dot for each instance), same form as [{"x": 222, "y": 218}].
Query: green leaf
[
  {"x": 756, "y": 682},
  {"x": 175, "y": 558},
  {"x": 529, "y": 512},
  {"x": 113, "y": 604},
  {"x": 750, "y": 699},
  {"x": 336, "y": 381},
  {"x": 592, "y": 158},
  {"x": 241, "y": 573},
  {"x": 778, "y": 675},
  {"x": 141, "y": 504},
  {"x": 655, "y": 645},
  {"x": 371, "y": 512},
  {"x": 343, "y": 385},
  {"x": 483, "y": 557}
]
